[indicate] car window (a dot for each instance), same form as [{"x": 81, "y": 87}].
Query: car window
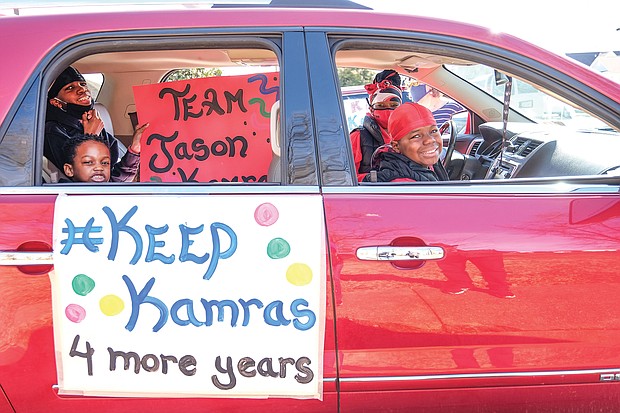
[
  {"x": 355, "y": 100},
  {"x": 95, "y": 82},
  {"x": 525, "y": 98},
  {"x": 235, "y": 108},
  {"x": 541, "y": 137},
  {"x": 17, "y": 145}
]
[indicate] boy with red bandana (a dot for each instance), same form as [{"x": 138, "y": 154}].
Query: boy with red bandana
[
  {"x": 385, "y": 95},
  {"x": 415, "y": 147}
]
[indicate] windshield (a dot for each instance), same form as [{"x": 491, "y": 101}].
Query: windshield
[{"x": 535, "y": 104}]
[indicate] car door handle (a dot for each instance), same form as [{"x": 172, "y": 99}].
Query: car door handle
[
  {"x": 389, "y": 253},
  {"x": 26, "y": 258}
]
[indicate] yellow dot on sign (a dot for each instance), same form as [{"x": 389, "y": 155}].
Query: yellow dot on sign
[
  {"x": 111, "y": 305},
  {"x": 299, "y": 274}
]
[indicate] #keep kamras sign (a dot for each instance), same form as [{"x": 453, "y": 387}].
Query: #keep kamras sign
[
  {"x": 214, "y": 129},
  {"x": 220, "y": 296}
]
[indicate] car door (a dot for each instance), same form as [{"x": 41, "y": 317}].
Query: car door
[
  {"x": 43, "y": 228},
  {"x": 453, "y": 297}
]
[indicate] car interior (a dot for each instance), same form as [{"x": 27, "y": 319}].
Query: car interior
[{"x": 544, "y": 134}]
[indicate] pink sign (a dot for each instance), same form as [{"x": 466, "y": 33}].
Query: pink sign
[{"x": 213, "y": 129}]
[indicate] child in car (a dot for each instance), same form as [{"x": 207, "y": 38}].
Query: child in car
[
  {"x": 414, "y": 151},
  {"x": 88, "y": 160}
]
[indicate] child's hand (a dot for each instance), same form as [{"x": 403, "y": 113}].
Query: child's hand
[{"x": 135, "y": 144}]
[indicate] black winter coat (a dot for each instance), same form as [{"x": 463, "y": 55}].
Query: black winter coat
[
  {"x": 60, "y": 126},
  {"x": 370, "y": 140},
  {"x": 396, "y": 166}
]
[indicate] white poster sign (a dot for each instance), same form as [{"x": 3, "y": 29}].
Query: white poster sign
[{"x": 184, "y": 296}]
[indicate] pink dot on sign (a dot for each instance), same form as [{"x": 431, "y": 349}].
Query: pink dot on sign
[
  {"x": 75, "y": 313},
  {"x": 266, "y": 214}
]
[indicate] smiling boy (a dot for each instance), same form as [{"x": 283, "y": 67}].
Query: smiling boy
[
  {"x": 87, "y": 159},
  {"x": 415, "y": 147}
]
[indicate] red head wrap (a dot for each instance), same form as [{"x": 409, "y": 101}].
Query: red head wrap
[
  {"x": 407, "y": 117},
  {"x": 382, "y": 91}
]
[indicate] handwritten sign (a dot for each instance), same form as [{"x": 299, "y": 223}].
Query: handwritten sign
[
  {"x": 171, "y": 296},
  {"x": 212, "y": 129}
]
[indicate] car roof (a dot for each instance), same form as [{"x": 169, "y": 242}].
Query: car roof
[
  {"x": 37, "y": 34},
  {"x": 38, "y": 7}
]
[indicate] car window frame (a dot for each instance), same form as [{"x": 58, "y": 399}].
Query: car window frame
[
  {"x": 86, "y": 44},
  {"x": 508, "y": 61}
]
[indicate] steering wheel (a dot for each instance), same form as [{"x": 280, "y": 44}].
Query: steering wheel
[{"x": 449, "y": 124}]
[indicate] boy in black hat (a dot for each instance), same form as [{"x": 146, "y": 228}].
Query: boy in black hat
[{"x": 70, "y": 113}]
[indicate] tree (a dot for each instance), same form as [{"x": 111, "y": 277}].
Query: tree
[
  {"x": 198, "y": 72},
  {"x": 355, "y": 77}
]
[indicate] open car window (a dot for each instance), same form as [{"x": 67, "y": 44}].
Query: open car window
[
  {"x": 207, "y": 123},
  {"x": 545, "y": 134},
  {"x": 538, "y": 105}
]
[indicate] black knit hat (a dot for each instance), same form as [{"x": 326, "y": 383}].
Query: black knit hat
[
  {"x": 388, "y": 74},
  {"x": 67, "y": 76}
]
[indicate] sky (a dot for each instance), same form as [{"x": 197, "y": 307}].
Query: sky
[{"x": 560, "y": 26}]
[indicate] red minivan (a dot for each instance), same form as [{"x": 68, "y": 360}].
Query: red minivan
[{"x": 245, "y": 268}]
